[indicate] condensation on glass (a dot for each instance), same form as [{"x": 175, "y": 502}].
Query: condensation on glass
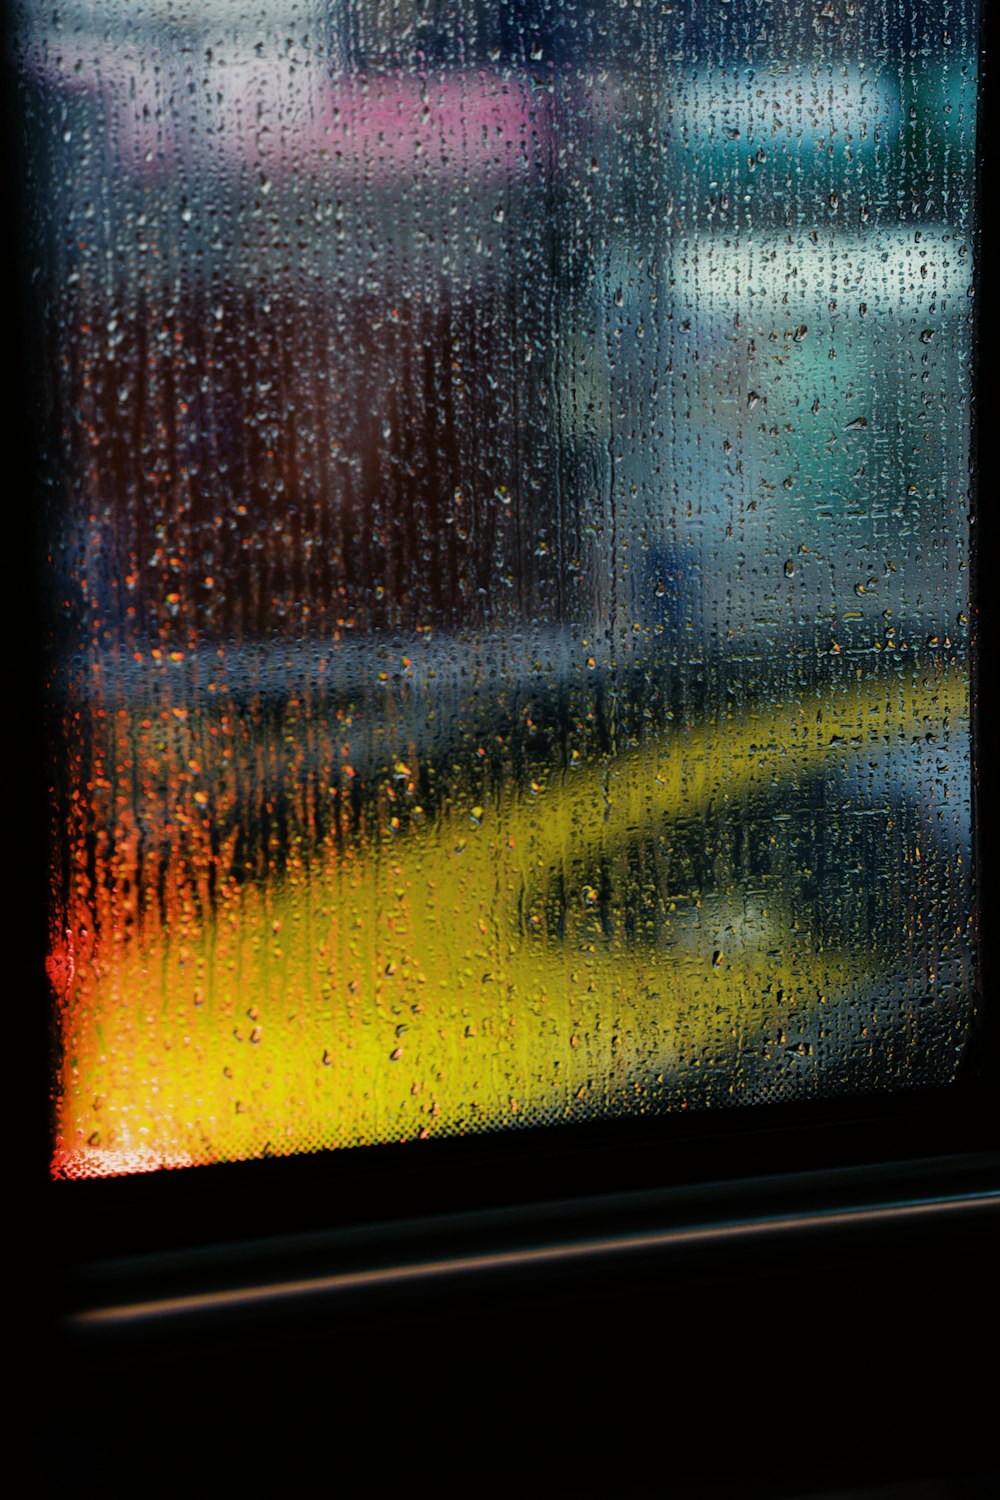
[{"x": 507, "y": 481}]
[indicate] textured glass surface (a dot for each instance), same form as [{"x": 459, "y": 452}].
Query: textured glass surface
[{"x": 507, "y": 483}]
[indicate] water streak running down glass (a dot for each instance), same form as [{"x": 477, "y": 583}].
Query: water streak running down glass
[{"x": 507, "y": 480}]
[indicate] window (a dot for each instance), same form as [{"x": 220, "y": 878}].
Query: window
[
  {"x": 506, "y": 478},
  {"x": 508, "y": 491}
]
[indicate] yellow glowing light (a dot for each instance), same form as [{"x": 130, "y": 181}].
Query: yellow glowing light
[{"x": 411, "y": 985}]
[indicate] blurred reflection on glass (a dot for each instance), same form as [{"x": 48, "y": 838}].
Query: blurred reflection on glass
[{"x": 507, "y": 481}]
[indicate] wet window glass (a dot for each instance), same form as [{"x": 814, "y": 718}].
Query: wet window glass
[{"x": 506, "y": 479}]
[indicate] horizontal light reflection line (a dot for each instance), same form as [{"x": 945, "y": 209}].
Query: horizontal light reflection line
[{"x": 549, "y": 1255}]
